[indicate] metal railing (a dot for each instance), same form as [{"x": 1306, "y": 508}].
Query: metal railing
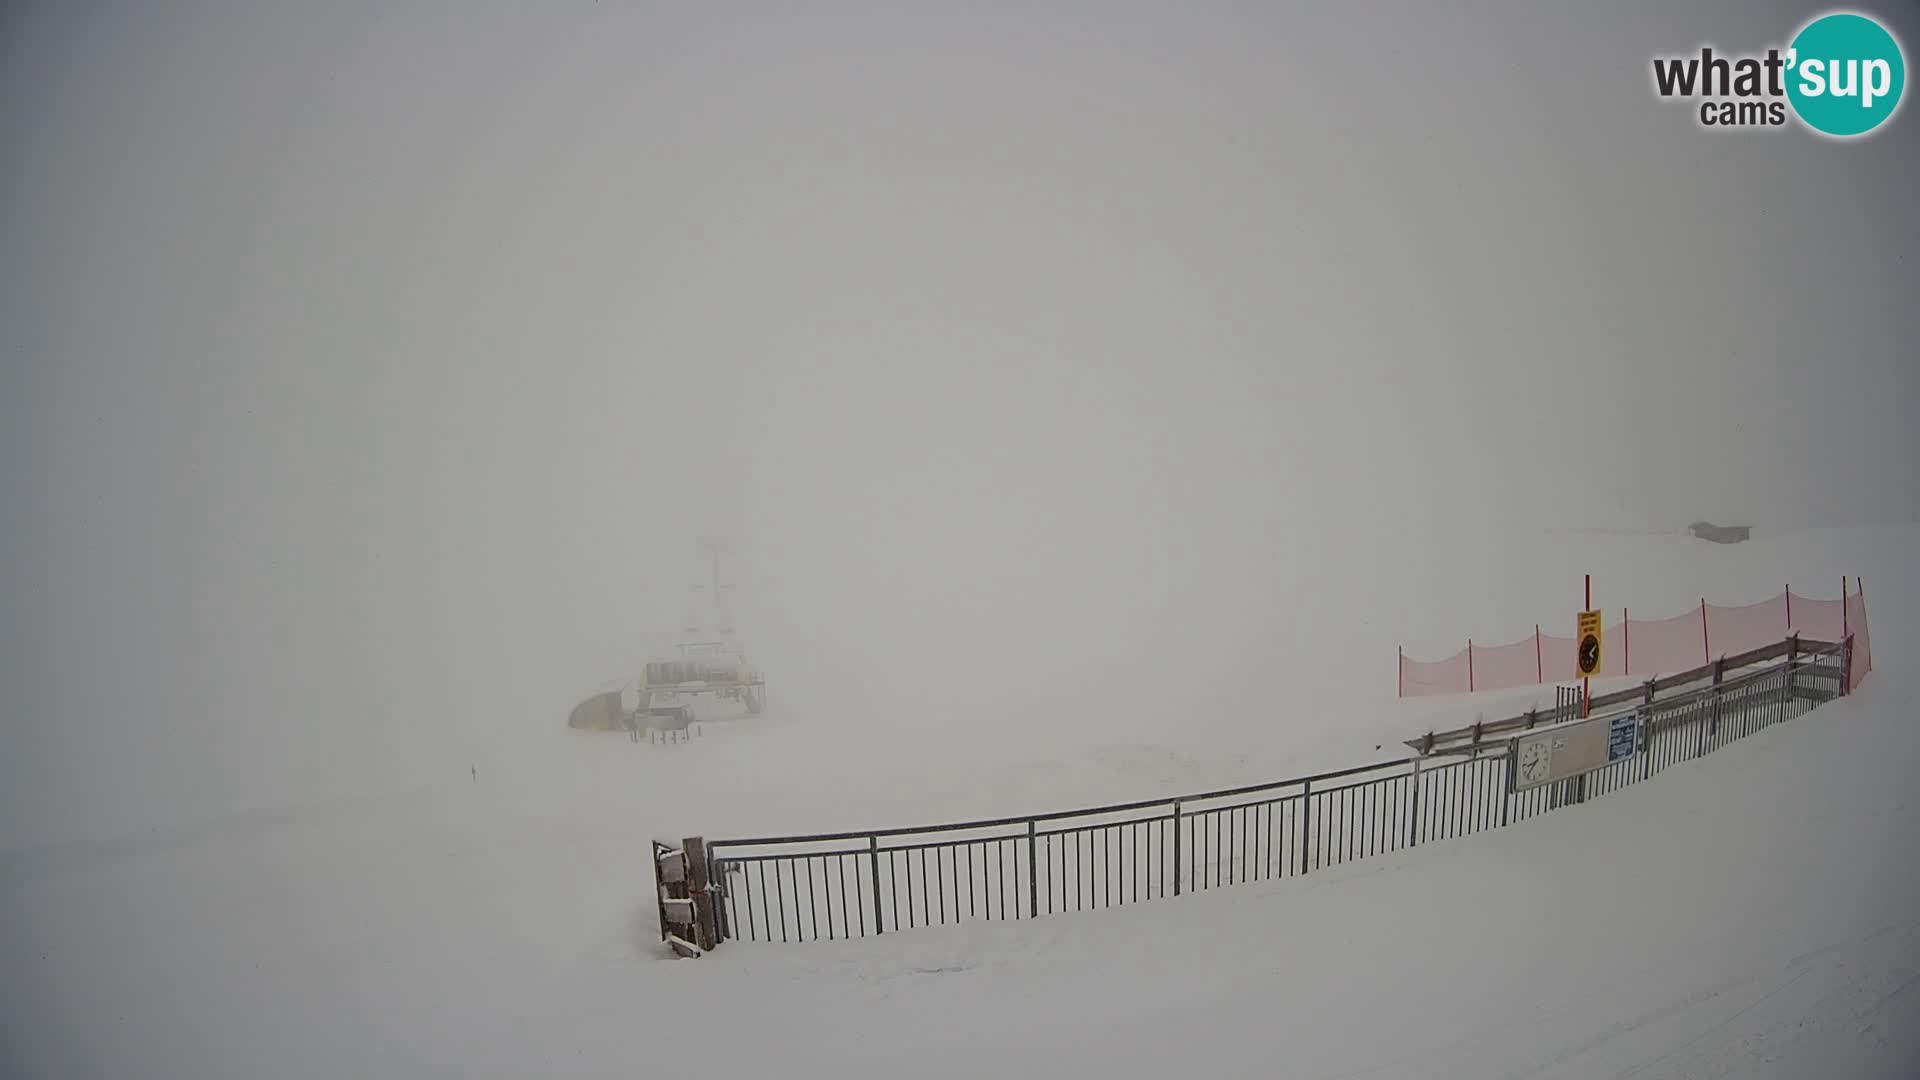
[{"x": 845, "y": 885}]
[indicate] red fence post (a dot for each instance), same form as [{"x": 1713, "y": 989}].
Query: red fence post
[
  {"x": 1862, "y": 586},
  {"x": 1400, "y": 678},
  {"x": 1539, "y": 668},
  {"x": 1789, "y": 608},
  {"x": 1626, "y": 642},
  {"x": 1469, "y": 665},
  {"x": 1846, "y": 647},
  {"x": 1706, "y": 644}
]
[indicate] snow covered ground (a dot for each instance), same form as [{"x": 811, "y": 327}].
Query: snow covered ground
[{"x": 1753, "y": 913}]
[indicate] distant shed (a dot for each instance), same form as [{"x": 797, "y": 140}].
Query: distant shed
[{"x": 1721, "y": 534}]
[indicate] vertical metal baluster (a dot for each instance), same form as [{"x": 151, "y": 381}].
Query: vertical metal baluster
[
  {"x": 1246, "y": 839},
  {"x": 1033, "y": 878},
  {"x": 940, "y": 885},
  {"x": 1176, "y": 851},
  {"x": 1050, "y": 875},
  {"x": 746, "y": 891},
  {"x": 1306, "y": 822},
  {"x": 926, "y": 893},
  {"x": 1106, "y": 863},
  {"x": 780, "y": 898},
  {"x": 893, "y": 878},
  {"x": 813, "y": 905}
]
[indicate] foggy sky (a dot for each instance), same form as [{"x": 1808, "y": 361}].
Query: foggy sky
[{"x": 369, "y": 368}]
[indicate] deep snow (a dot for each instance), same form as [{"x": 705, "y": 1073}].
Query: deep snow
[{"x": 1751, "y": 913}]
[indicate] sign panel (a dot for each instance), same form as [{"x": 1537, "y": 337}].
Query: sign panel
[
  {"x": 1588, "y": 636},
  {"x": 1623, "y": 733},
  {"x": 1569, "y": 750}
]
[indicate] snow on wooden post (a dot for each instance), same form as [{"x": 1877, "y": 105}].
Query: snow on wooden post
[
  {"x": 705, "y": 934},
  {"x": 676, "y": 909},
  {"x": 661, "y": 894}
]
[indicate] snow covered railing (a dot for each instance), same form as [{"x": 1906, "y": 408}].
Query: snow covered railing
[
  {"x": 881, "y": 881},
  {"x": 1792, "y": 650}
]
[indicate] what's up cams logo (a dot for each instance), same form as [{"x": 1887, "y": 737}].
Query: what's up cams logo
[{"x": 1842, "y": 75}]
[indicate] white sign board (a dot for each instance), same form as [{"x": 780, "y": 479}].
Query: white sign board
[{"x": 1570, "y": 750}]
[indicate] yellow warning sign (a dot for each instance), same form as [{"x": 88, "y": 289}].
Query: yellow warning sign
[{"x": 1587, "y": 658}]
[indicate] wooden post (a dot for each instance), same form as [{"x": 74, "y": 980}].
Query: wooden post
[{"x": 705, "y": 928}]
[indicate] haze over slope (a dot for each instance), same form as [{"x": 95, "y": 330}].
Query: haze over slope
[{"x": 368, "y": 372}]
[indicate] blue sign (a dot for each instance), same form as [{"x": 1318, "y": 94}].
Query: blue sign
[{"x": 1621, "y": 732}]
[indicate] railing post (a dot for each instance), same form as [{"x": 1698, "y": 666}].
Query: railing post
[
  {"x": 1413, "y": 816},
  {"x": 1033, "y": 870},
  {"x": 1507, "y": 782},
  {"x": 873, "y": 867},
  {"x": 1786, "y": 684},
  {"x": 1646, "y": 733},
  {"x": 1846, "y": 665},
  {"x": 1719, "y": 673},
  {"x": 1306, "y": 825},
  {"x": 1176, "y": 849}
]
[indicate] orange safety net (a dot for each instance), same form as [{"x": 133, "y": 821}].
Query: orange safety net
[{"x": 1647, "y": 646}]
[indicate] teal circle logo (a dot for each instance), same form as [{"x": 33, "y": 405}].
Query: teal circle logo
[{"x": 1845, "y": 74}]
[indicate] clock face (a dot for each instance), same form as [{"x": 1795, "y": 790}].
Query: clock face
[{"x": 1535, "y": 760}]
